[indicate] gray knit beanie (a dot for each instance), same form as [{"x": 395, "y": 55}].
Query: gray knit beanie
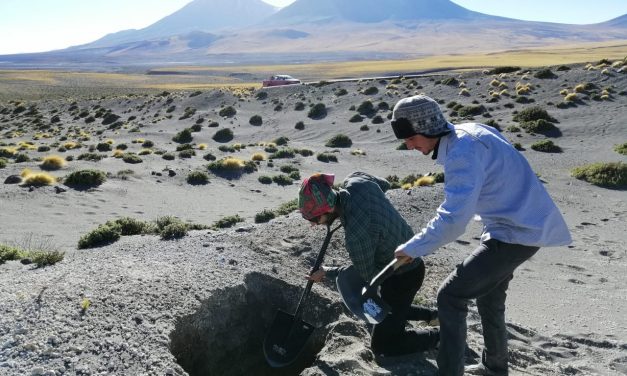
[{"x": 418, "y": 115}]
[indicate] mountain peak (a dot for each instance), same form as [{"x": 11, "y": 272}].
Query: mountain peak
[{"x": 369, "y": 11}]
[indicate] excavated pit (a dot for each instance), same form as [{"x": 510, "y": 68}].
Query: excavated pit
[{"x": 225, "y": 335}]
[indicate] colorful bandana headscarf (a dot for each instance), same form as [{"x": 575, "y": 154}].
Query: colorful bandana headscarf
[{"x": 316, "y": 196}]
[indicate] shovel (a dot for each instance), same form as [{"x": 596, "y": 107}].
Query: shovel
[
  {"x": 288, "y": 333},
  {"x": 362, "y": 298}
]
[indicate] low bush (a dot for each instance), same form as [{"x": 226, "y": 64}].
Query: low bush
[
  {"x": 231, "y": 167},
  {"x": 255, "y": 120},
  {"x": 101, "y": 236},
  {"x": 227, "y": 222},
  {"x": 466, "y": 111},
  {"x": 318, "y": 111},
  {"x": 326, "y": 157},
  {"x": 264, "y": 216},
  {"x": 545, "y": 74},
  {"x": 223, "y": 135},
  {"x": 546, "y": 146},
  {"x": 10, "y": 253},
  {"x": 94, "y": 157},
  {"x": 621, "y": 149},
  {"x": 197, "y": 178},
  {"x": 264, "y": 179},
  {"x": 339, "y": 141},
  {"x": 188, "y": 153},
  {"x": 103, "y": 146},
  {"x": 129, "y": 226},
  {"x": 131, "y": 158},
  {"x": 282, "y": 180},
  {"x": 168, "y": 156},
  {"x": 3, "y": 163},
  {"x": 609, "y": 175},
  {"x": 538, "y": 126},
  {"x": 299, "y": 106},
  {"x": 282, "y": 140},
  {"x": 175, "y": 230},
  {"x": 184, "y": 136},
  {"x": 209, "y": 157},
  {"x": 85, "y": 178},
  {"x": 371, "y": 90},
  {"x": 366, "y": 108},
  {"x": 228, "y": 111},
  {"x": 532, "y": 114},
  {"x": 450, "y": 81},
  {"x": 356, "y": 118},
  {"x": 299, "y": 125},
  {"x": 283, "y": 153}
]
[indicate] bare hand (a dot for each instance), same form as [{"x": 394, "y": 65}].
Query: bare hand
[
  {"x": 316, "y": 276},
  {"x": 403, "y": 257}
]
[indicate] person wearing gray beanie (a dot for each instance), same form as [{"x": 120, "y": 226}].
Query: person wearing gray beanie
[{"x": 485, "y": 178}]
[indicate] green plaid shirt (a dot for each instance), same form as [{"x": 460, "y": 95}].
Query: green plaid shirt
[{"x": 372, "y": 226}]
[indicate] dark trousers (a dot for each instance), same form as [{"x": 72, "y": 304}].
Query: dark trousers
[
  {"x": 390, "y": 336},
  {"x": 485, "y": 276}
]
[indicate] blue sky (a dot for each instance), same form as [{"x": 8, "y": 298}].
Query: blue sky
[{"x": 43, "y": 25}]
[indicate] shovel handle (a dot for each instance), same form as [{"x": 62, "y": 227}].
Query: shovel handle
[
  {"x": 384, "y": 274},
  {"x": 316, "y": 266}
]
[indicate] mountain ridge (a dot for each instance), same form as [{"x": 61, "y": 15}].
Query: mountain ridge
[{"x": 251, "y": 31}]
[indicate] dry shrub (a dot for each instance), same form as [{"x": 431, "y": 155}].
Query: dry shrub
[
  {"x": 570, "y": 97},
  {"x": 71, "y": 145},
  {"x": 232, "y": 163},
  {"x": 424, "y": 181},
  {"x": 464, "y": 92},
  {"x": 258, "y": 157},
  {"x": 52, "y": 162},
  {"x": 202, "y": 146},
  {"x": 39, "y": 179}
]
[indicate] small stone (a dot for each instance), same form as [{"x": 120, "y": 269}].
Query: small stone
[{"x": 37, "y": 371}]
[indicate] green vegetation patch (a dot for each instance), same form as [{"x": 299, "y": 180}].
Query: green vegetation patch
[
  {"x": 532, "y": 114},
  {"x": 223, "y": 135},
  {"x": 85, "y": 178},
  {"x": 197, "y": 178},
  {"x": 546, "y": 146},
  {"x": 339, "y": 141},
  {"x": 317, "y": 111},
  {"x": 228, "y": 111},
  {"x": 620, "y": 149},
  {"x": 226, "y": 222},
  {"x": 609, "y": 175}
]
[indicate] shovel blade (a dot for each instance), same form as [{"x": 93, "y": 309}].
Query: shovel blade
[
  {"x": 375, "y": 309},
  {"x": 286, "y": 339},
  {"x": 370, "y": 308}
]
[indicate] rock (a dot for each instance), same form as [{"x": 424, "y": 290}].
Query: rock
[
  {"x": 13, "y": 179},
  {"x": 37, "y": 371},
  {"x": 58, "y": 189}
]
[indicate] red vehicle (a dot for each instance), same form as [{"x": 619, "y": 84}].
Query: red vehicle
[{"x": 280, "y": 79}]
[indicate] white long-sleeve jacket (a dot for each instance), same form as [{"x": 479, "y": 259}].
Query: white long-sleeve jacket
[{"x": 486, "y": 177}]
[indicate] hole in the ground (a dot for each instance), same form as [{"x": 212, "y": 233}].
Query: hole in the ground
[{"x": 225, "y": 336}]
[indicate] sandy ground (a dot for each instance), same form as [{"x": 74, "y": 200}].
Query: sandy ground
[{"x": 155, "y": 300}]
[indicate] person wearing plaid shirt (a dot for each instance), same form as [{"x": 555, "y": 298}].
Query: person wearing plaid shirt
[{"x": 373, "y": 229}]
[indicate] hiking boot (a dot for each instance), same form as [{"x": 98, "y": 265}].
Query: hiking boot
[{"x": 481, "y": 369}]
